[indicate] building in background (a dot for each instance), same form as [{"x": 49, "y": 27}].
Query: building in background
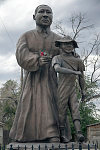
[{"x": 93, "y": 133}]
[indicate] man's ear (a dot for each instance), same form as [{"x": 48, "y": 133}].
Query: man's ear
[{"x": 34, "y": 17}]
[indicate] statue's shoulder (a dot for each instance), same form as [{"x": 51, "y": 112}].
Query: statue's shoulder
[
  {"x": 27, "y": 33},
  {"x": 58, "y": 57},
  {"x": 76, "y": 55},
  {"x": 78, "y": 59},
  {"x": 56, "y": 36}
]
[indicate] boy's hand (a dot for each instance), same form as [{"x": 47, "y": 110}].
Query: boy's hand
[{"x": 78, "y": 73}]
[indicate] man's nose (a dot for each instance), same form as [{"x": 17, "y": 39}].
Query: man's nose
[{"x": 45, "y": 15}]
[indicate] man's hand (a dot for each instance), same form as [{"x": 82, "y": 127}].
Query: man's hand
[{"x": 43, "y": 60}]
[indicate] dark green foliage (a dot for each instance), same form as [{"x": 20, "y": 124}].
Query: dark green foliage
[
  {"x": 9, "y": 114},
  {"x": 9, "y": 94},
  {"x": 88, "y": 110},
  {"x": 90, "y": 87},
  {"x": 88, "y": 115}
]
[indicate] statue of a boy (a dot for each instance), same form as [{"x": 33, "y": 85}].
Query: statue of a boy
[{"x": 68, "y": 65}]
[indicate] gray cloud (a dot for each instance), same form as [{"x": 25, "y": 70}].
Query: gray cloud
[
  {"x": 9, "y": 37},
  {"x": 2, "y": 2},
  {"x": 17, "y": 21},
  {"x": 9, "y": 76}
]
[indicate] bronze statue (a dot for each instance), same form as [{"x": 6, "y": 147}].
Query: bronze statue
[
  {"x": 68, "y": 65},
  {"x": 36, "y": 117}
]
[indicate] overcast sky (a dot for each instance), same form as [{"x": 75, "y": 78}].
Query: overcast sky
[{"x": 16, "y": 18}]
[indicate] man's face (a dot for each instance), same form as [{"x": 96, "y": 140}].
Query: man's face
[
  {"x": 67, "y": 47},
  {"x": 43, "y": 16}
]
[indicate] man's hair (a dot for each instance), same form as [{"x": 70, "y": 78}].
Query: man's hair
[{"x": 40, "y": 6}]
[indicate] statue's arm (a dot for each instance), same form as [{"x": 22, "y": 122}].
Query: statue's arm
[
  {"x": 60, "y": 69},
  {"x": 82, "y": 80},
  {"x": 26, "y": 59}
]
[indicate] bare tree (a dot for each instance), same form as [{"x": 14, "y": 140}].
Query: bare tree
[
  {"x": 91, "y": 58},
  {"x": 79, "y": 23}
]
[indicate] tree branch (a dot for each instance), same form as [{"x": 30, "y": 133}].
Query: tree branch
[{"x": 92, "y": 97}]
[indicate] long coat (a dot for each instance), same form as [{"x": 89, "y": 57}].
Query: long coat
[{"x": 36, "y": 117}]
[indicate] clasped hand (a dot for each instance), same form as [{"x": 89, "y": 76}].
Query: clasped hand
[{"x": 43, "y": 60}]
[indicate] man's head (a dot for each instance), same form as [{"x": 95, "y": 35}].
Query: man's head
[
  {"x": 43, "y": 15},
  {"x": 67, "y": 44}
]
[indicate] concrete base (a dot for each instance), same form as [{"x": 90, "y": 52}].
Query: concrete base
[{"x": 48, "y": 146}]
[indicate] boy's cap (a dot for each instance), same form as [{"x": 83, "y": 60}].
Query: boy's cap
[{"x": 66, "y": 39}]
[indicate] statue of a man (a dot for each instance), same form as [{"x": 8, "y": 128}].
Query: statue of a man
[{"x": 36, "y": 117}]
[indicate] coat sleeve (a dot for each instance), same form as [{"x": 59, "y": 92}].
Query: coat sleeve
[
  {"x": 26, "y": 59},
  {"x": 81, "y": 66},
  {"x": 56, "y": 60}
]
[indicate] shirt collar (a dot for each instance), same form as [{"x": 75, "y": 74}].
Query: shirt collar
[{"x": 42, "y": 30}]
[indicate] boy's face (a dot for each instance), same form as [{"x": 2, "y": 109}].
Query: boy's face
[{"x": 67, "y": 46}]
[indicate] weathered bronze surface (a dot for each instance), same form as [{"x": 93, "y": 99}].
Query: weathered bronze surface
[
  {"x": 36, "y": 117},
  {"x": 68, "y": 65}
]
